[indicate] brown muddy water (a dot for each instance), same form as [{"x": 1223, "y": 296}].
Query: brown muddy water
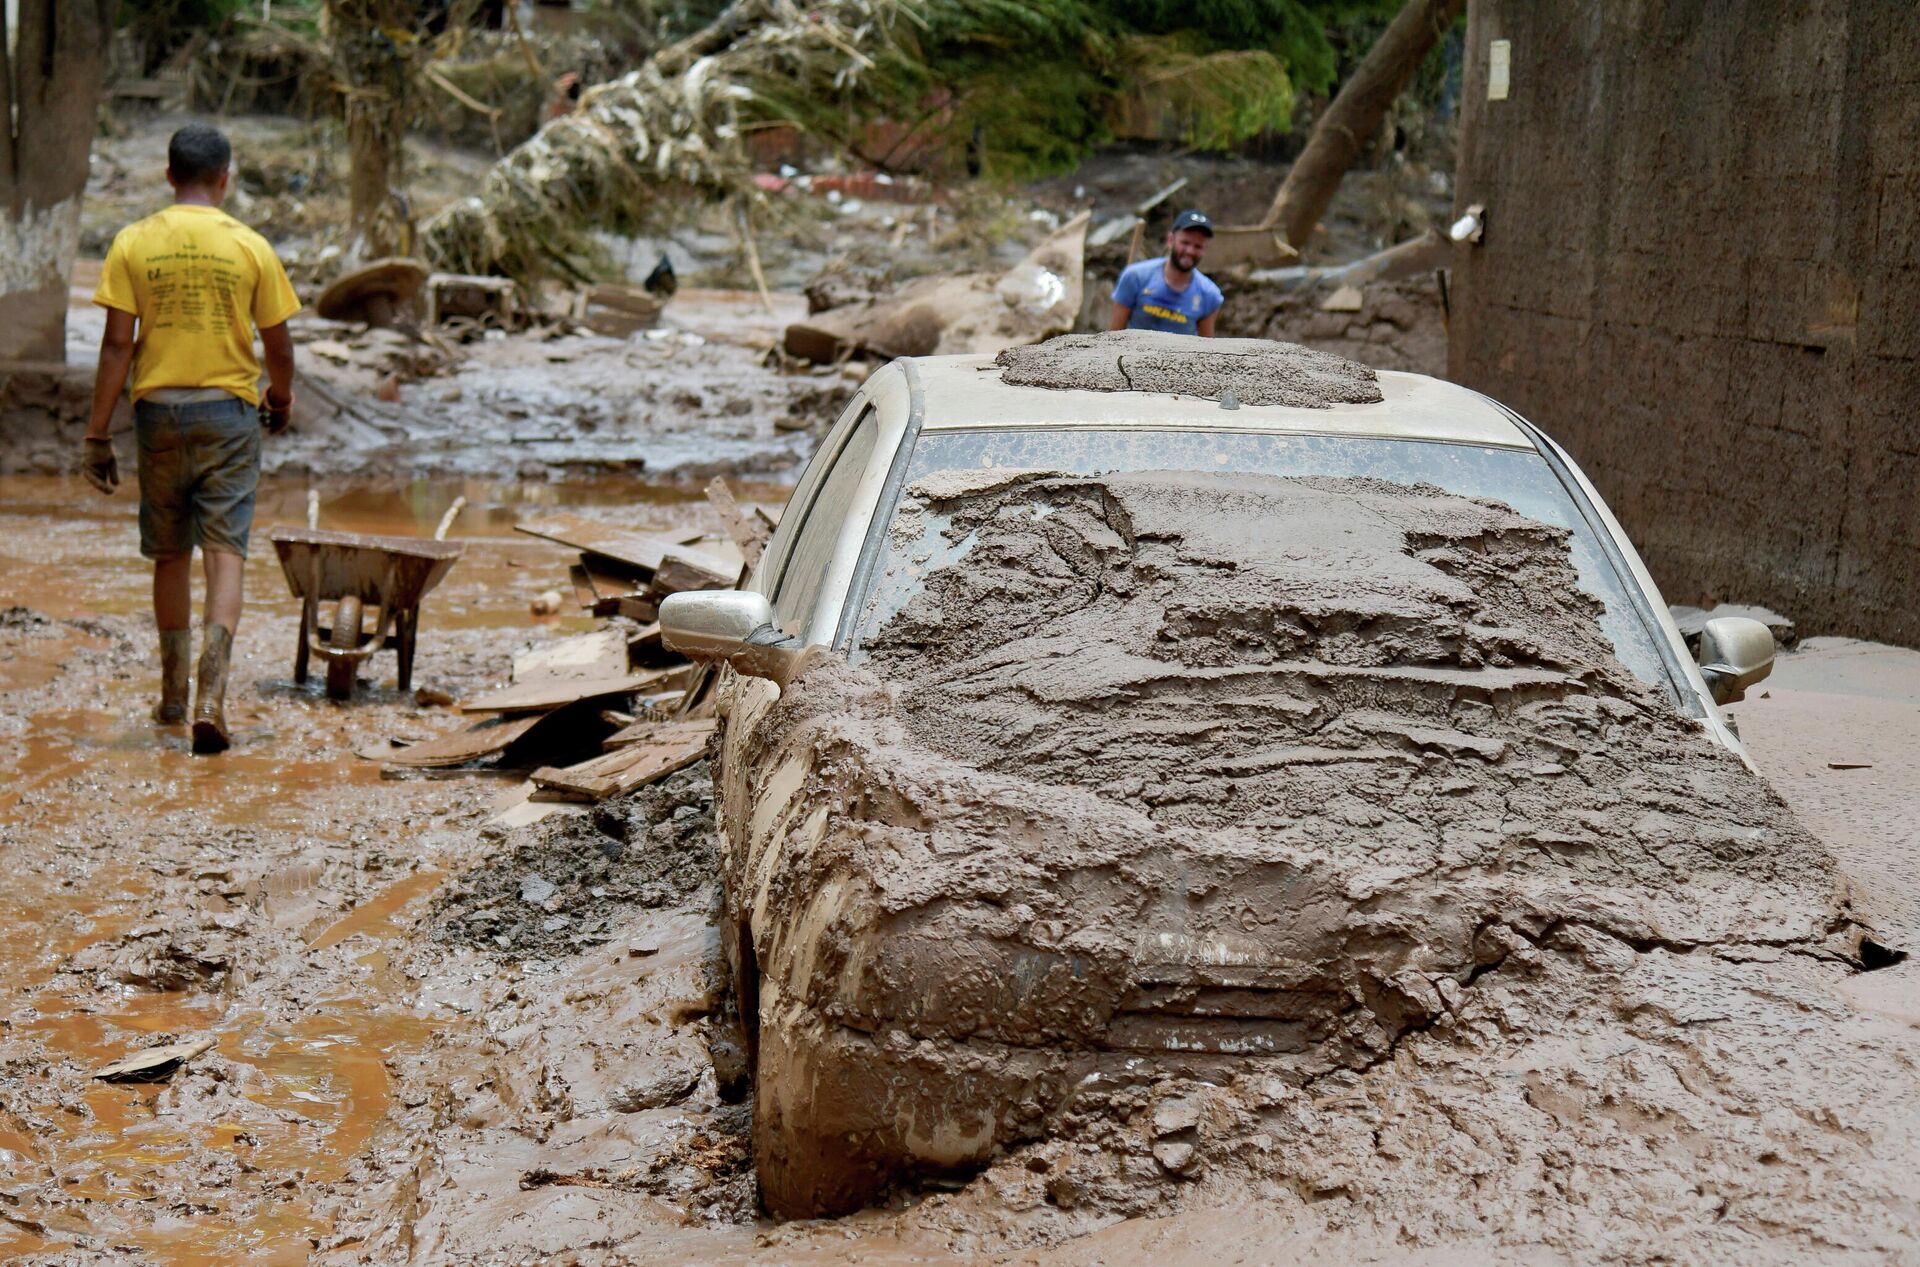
[{"x": 408, "y": 1067}]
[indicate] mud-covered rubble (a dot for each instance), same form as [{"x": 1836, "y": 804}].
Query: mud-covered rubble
[
  {"x": 1314, "y": 785},
  {"x": 571, "y": 884}
]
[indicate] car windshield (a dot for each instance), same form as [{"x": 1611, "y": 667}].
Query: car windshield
[{"x": 1519, "y": 478}]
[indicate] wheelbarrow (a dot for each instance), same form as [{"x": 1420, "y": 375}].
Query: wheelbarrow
[{"x": 352, "y": 572}]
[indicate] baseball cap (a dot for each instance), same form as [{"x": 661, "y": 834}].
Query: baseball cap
[{"x": 1192, "y": 220}]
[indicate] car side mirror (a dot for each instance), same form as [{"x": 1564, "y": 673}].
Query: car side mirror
[
  {"x": 733, "y": 627},
  {"x": 1735, "y": 653}
]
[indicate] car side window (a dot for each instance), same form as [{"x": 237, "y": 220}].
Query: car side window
[{"x": 805, "y": 571}]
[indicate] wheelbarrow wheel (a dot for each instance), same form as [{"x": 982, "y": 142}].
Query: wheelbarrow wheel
[{"x": 345, "y": 636}]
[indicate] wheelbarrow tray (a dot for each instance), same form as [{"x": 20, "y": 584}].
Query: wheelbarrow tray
[
  {"x": 385, "y": 571},
  {"x": 391, "y": 573}
]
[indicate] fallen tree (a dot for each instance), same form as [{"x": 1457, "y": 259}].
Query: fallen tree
[
  {"x": 1355, "y": 114},
  {"x": 667, "y": 131}
]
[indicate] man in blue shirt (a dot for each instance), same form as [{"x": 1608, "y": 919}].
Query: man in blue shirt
[{"x": 1170, "y": 293}]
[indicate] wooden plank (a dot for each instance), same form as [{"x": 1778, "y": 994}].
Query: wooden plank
[
  {"x": 640, "y": 551},
  {"x": 461, "y": 746},
  {"x": 749, "y": 533},
  {"x": 634, "y": 607},
  {"x": 609, "y": 584},
  {"x": 593, "y": 656},
  {"x": 552, "y": 692},
  {"x": 660, "y": 731},
  {"x": 624, "y": 769},
  {"x": 582, "y": 582},
  {"x": 682, "y": 570}
]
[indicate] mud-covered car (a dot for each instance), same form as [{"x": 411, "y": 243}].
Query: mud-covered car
[{"x": 1127, "y": 706}]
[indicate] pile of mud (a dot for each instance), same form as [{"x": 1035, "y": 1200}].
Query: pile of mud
[
  {"x": 575, "y": 877},
  {"x": 1217, "y": 769},
  {"x": 1254, "y": 371}
]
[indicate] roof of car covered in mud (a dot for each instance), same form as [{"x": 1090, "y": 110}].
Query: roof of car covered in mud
[{"x": 969, "y": 392}]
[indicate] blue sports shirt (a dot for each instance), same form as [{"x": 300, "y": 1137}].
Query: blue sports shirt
[{"x": 1158, "y": 306}]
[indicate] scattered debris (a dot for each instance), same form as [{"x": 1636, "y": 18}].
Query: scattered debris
[
  {"x": 154, "y": 1064},
  {"x": 616, "y": 311},
  {"x": 638, "y": 761},
  {"x": 964, "y": 312},
  {"x": 479, "y": 303},
  {"x": 543, "y": 693}
]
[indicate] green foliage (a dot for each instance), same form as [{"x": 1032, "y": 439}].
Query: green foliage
[{"x": 1024, "y": 87}]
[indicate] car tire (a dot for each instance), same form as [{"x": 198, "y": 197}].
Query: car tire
[{"x": 812, "y": 1140}]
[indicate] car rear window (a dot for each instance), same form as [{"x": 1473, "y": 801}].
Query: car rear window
[{"x": 1519, "y": 478}]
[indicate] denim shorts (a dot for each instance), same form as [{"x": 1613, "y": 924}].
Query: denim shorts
[{"x": 199, "y": 467}]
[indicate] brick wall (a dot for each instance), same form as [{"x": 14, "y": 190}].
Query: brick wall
[{"x": 1701, "y": 273}]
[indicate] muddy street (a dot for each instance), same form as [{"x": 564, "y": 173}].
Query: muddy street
[
  {"x": 439, "y": 1037},
  {"x": 1044, "y": 633}
]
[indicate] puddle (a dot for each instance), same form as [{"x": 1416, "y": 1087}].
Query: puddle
[{"x": 374, "y": 916}]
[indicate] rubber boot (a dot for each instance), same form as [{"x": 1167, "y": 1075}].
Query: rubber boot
[
  {"x": 209, "y": 706},
  {"x": 176, "y": 676}
]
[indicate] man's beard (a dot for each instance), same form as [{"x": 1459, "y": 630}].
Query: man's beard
[{"x": 1182, "y": 262}]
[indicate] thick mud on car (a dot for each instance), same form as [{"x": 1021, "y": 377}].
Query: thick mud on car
[{"x": 1133, "y": 708}]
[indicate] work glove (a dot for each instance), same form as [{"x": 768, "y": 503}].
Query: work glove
[
  {"x": 99, "y": 465},
  {"x": 275, "y": 414}
]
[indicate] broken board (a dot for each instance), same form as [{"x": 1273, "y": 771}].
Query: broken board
[
  {"x": 461, "y": 746},
  {"x": 623, "y": 548},
  {"x": 749, "y": 533},
  {"x": 682, "y": 570},
  {"x": 658, "y": 731},
  {"x": 552, "y": 692},
  {"x": 671, "y": 746},
  {"x": 592, "y": 656}
]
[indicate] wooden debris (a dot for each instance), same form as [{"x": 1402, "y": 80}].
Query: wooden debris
[
  {"x": 633, "y": 606},
  {"x": 627, "y": 551},
  {"x": 748, "y": 533},
  {"x": 597, "y": 655},
  {"x": 666, "y": 748},
  {"x": 154, "y": 1063},
  {"x": 483, "y": 299},
  {"x": 582, "y": 582},
  {"x": 683, "y": 569},
  {"x": 651, "y": 731},
  {"x": 463, "y": 745},
  {"x": 552, "y": 692},
  {"x": 616, "y": 311}
]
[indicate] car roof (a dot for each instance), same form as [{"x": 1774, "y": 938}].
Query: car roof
[{"x": 966, "y": 393}]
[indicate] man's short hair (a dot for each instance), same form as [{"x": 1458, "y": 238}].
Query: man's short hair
[{"x": 197, "y": 154}]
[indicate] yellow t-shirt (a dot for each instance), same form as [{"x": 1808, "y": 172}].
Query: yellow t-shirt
[{"x": 200, "y": 282}]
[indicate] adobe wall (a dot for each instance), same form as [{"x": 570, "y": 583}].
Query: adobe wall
[{"x": 1701, "y": 273}]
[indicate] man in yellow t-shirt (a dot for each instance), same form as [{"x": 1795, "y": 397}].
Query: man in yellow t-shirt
[{"x": 184, "y": 291}]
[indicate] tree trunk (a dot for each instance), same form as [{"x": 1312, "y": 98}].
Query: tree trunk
[
  {"x": 1355, "y": 115},
  {"x": 374, "y": 50},
  {"x": 49, "y": 91}
]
